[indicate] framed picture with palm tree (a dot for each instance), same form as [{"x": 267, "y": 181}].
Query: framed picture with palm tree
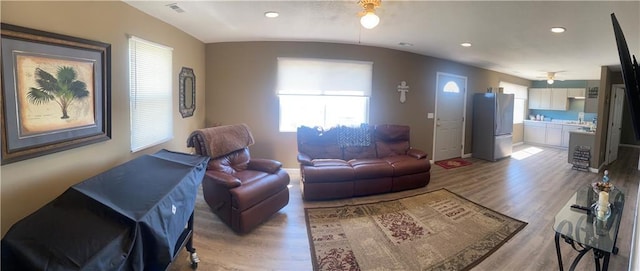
[{"x": 55, "y": 92}]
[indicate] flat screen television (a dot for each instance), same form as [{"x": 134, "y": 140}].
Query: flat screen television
[{"x": 630, "y": 75}]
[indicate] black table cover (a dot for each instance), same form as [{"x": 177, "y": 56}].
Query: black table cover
[{"x": 128, "y": 218}]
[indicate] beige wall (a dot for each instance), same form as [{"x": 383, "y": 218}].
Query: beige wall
[
  {"x": 241, "y": 89},
  {"x": 518, "y": 133},
  {"x": 29, "y": 184}
]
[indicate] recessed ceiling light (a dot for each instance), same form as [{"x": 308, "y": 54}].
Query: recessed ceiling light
[
  {"x": 405, "y": 44},
  {"x": 465, "y": 44},
  {"x": 558, "y": 29},
  {"x": 271, "y": 14}
]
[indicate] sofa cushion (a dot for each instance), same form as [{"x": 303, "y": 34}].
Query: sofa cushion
[
  {"x": 371, "y": 168},
  {"x": 392, "y": 140},
  {"x": 392, "y": 148},
  {"x": 318, "y": 144},
  {"x": 390, "y": 132},
  {"x": 406, "y": 165},
  {"x": 328, "y": 162},
  {"x": 359, "y": 152}
]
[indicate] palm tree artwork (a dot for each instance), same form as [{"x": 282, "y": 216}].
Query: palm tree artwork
[{"x": 63, "y": 89}]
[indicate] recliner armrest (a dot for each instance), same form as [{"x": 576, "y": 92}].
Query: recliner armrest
[
  {"x": 304, "y": 159},
  {"x": 222, "y": 178},
  {"x": 264, "y": 165},
  {"x": 418, "y": 154}
]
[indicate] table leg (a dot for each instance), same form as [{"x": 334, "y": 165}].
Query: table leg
[
  {"x": 605, "y": 263},
  {"x": 597, "y": 254},
  {"x": 558, "y": 252},
  {"x": 577, "y": 259}
]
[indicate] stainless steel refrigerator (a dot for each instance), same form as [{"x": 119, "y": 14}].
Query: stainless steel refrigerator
[{"x": 492, "y": 126}]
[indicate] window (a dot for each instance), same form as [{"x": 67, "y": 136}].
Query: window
[
  {"x": 451, "y": 87},
  {"x": 323, "y": 92},
  {"x": 519, "y": 101},
  {"x": 150, "y": 88}
]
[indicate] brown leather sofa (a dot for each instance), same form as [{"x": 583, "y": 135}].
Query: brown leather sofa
[
  {"x": 242, "y": 191},
  {"x": 346, "y": 162}
]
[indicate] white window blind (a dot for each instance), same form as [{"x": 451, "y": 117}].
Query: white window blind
[
  {"x": 150, "y": 93},
  {"x": 323, "y": 92},
  {"x": 304, "y": 76},
  {"x": 521, "y": 92},
  {"x": 520, "y": 99}
]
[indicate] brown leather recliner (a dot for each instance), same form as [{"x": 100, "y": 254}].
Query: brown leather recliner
[{"x": 243, "y": 192}]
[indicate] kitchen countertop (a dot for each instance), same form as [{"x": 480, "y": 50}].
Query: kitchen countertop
[
  {"x": 583, "y": 132},
  {"x": 584, "y": 124},
  {"x": 564, "y": 122}
]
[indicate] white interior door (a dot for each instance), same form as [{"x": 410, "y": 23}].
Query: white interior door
[
  {"x": 450, "y": 106},
  {"x": 615, "y": 123}
]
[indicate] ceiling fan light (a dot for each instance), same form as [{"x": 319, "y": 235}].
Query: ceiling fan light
[
  {"x": 369, "y": 20},
  {"x": 549, "y": 81}
]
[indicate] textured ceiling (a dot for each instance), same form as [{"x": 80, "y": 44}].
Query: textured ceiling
[{"x": 512, "y": 37}]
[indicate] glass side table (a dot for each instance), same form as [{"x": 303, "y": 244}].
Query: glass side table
[{"x": 583, "y": 231}]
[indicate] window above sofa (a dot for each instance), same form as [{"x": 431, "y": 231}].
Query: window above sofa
[{"x": 323, "y": 92}]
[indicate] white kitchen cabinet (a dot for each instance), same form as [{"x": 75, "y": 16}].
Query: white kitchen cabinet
[
  {"x": 534, "y": 132},
  {"x": 553, "y": 135},
  {"x": 534, "y": 98},
  {"x": 548, "y": 98},
  {"x": 559, "y": 99},
  {"x": 576, "y": 93},
  {"x": 549, "y": 134},
  {"x": 539, "y": 98}
]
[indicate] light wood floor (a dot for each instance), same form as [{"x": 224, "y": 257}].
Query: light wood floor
[{"x": 531, "y": 189}]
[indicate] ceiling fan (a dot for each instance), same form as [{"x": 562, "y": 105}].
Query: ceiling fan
[{"x": 551, "y": 77}]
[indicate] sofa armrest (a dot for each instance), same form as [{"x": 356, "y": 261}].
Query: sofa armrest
[
  {"x": 304, "y": 159},
  {"x": 418, "y": 154},
  {"x": 264, "y": 165},
  {"x": 223, "y": 179}
]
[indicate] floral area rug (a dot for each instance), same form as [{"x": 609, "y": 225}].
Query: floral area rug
[
  {"x": 437, "y": 230},
  {"x": 453, "y": 163}
]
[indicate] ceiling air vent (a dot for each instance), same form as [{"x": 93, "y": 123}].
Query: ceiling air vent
[{"x": 175, "y": 8}]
